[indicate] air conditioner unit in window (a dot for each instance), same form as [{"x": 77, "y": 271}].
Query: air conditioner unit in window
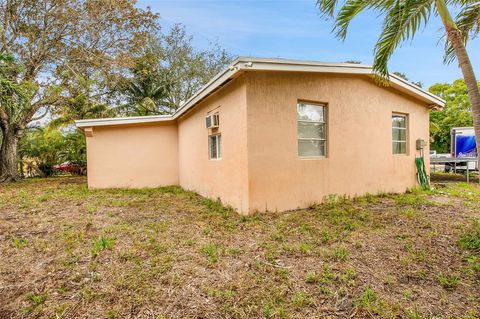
[{"x": 212, "y": 121}]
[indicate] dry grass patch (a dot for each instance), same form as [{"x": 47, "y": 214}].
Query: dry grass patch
[{"x": 70, "y": 252}]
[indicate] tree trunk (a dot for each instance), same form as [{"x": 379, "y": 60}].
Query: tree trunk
[
  {"x": 9, "y": 157},
  {"x": 456, "y": 39}
]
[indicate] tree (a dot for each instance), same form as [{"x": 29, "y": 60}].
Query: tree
[
  {"x": 404, "y": 76},
  {"x": 46, "y": 147},
  {"x": 15, "y": 97},
  {"x": 402, "y": 19},
  {"x": 168, "y": 72},
  {"x": 457, "y": 113},
  {"x": 78, "y": 102},
  {"x": 185, "y": 68},
  {"x": 48, "y": 37},
  {"x": 147, "y": 86}
]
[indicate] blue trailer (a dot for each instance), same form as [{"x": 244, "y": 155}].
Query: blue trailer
[{"x": 462, "y": 144}]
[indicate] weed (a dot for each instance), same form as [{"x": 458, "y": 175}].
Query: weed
[
  {"x": 327, "y": 276},
  {"x": 340, "y": 253},
  {"x": 283, "y": 274},
  {"x": 413, "y": 314},
  {"x": 111, "y": 314},
  {"x": 35, "y": 301},
  {"x": 101, "y": 244},
  {"x": 410, "y": 199},
  {"x": 348, "y": 276},
  {"x": 19, "y": 243},
  {"x": 301, "y": 299},
  {"x": 224, "y": 294},
  {"x": 211, "y": 252},
  {"x": 407, "y": 294},
  {"x": 217, "y": 208},
  {"x": 304, "y": 248},
  {"x": 327, "y": 236},
  {"x": 470, "y": 239},
  {"x": 311, "y": 278},
  {"x": 304, "y": 228},
  {"x": 268, "y": 310},
  {"x": 474, "y": 264},
  {"x": 389, "y": 280},
  {"x": 410, "y": 213},
  {"x": 368, "y": 298},
  {"x": 448, "y": 281}
]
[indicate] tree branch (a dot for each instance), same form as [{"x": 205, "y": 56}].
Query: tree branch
[{"x": 36, "y": 118}]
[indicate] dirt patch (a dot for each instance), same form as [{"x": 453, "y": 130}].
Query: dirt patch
[{"x": 165, "y": 253}]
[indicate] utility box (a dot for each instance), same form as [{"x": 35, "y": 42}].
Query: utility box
[{"x": 420, "y": 144}]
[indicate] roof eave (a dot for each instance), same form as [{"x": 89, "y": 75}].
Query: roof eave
[
  {"x": 123, "y": 120},
  {"x": 345, "y": 68},
  {"x": 243, "y": 64}
]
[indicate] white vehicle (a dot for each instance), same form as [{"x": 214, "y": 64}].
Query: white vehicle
[{"x": 462, "y": 144}]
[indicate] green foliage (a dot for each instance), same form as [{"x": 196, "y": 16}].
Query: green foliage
[
  {"x": 470, "y": 239},
  {"x": 211, "y": 252},
  {"x": 340, "y": 253},
  {"x": 168, "y": 72},
  {"x": 101, "y": 244},
  {"x": 19, "y": 243},
  {"x": 368, "y": 299},
  {"x": 15, "y": 94},
  {"x": 79, "y": 103},
  {"x": 457, "y": 113},
  {"x": 448, "y": 281},
  {"x": 401, "y": 21},
  {"x": 49, "y": 48},
  {"x": 404, "y": 76},
  {"x": 311, "y": 278},
  {"x": 148, "y": 86},
  {"x": 301, "y": 299},
  {"x": 42, "y": 148},
  {"x": 268, "y": 310},
  {"x": 35, "y": 301}
]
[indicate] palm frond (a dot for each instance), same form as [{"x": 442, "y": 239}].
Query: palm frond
[
  {"x": 327, "y": 7},
  {"x": 400, "y": 24},
  {"x": 468, "y": 23},
  {"x": 352, "y": 8}
]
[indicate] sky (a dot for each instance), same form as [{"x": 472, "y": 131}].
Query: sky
[{"x": 293, "y": 29}]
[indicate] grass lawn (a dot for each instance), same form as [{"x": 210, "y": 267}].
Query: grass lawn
[{"x": 70, "y": 252}]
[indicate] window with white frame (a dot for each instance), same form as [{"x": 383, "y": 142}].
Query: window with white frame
[
  {"x": 312, "y": 129},
  {"x": 215, "y": 146},
  {"x": 399, "y": 133}
]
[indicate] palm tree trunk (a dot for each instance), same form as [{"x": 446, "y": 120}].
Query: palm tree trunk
[{"x": 456, "y": 39}]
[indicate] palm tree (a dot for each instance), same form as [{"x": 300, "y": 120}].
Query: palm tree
[{"x": 402, "y": 19}]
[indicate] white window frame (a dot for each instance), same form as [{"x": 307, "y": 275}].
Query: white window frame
[
  {"x": 405, "y": 116},
  {"x": 325, "y": 122},
  {"x": 218, "y": 137}
]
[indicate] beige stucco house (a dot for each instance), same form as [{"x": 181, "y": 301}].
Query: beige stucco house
[{"x": 271, "y": 135}]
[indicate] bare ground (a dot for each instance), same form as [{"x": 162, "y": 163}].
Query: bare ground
[{"x": 70, "y": 252}]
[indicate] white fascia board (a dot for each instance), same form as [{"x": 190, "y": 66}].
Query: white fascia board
[
  {"x": 208, "y": 88},
  {"x": 345, "y": 68},
  {"x": 123, "y": 120},
  {"x": 242, "y": 64},
  {"x": 399, "y": 83}
]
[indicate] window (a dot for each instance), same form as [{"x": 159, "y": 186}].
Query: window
[
  {"x": 399, "y": 133},
  {"x": 215, "y": 146},
  {"x": 312, "y": 130}
]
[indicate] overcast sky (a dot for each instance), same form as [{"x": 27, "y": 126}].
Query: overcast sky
[{"x": 293, "y": 29}]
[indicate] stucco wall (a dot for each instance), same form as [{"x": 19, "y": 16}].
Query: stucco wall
[
  {"x": 360, "y": 158},
  {"x": 225, "y": 178},
  {"x": 142, "y": 155}
]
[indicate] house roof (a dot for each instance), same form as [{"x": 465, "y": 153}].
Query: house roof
[{"x": 243, "y": 64}]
